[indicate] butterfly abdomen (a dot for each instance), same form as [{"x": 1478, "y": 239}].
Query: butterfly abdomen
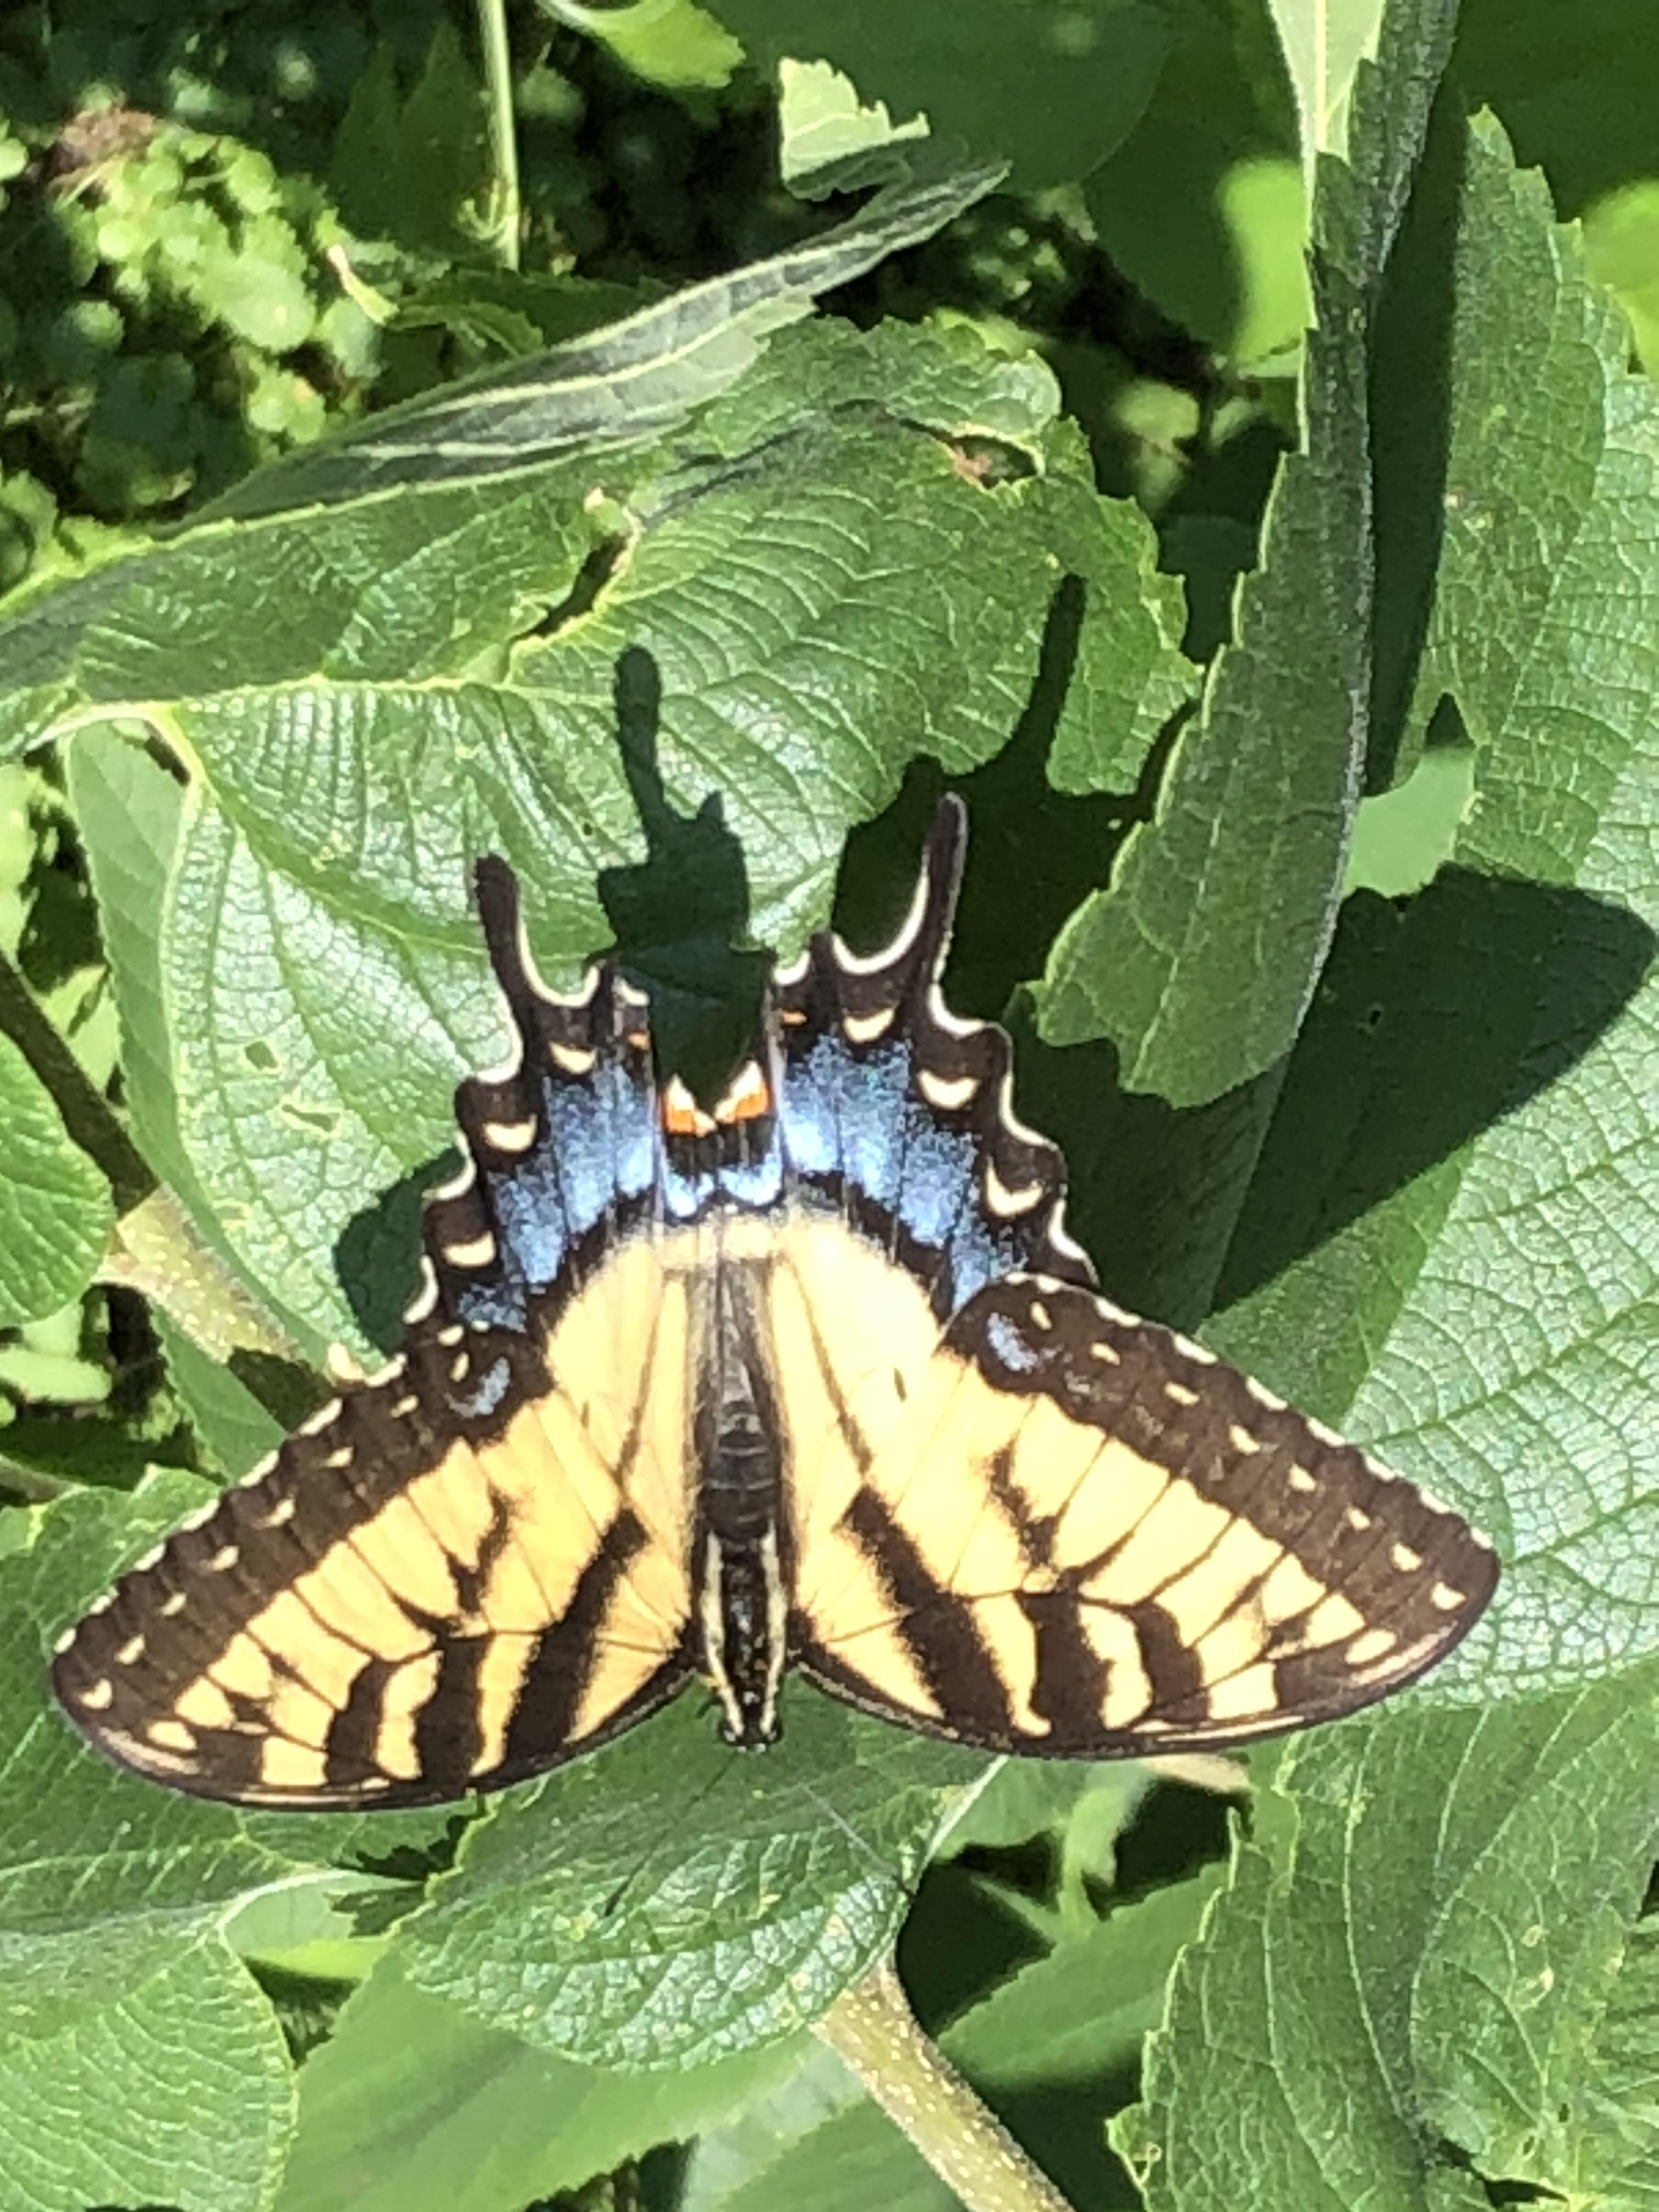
[{"x": 739, "y": 1547}]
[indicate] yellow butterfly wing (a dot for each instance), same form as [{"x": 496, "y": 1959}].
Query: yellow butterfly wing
[
  {"x": 1076, "y": 1533},
  {"x": 456, "y": 1578}
]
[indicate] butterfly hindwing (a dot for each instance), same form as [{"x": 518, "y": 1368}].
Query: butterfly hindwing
[
  {"x": 1085, "y": 1535},
  {"x": 561, "y": 1140}
]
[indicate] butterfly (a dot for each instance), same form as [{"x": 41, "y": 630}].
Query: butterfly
[{"x": 812, "y": 1379}]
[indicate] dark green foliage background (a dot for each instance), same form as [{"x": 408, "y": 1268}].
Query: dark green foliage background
[{"x": 1318, "y": 891}]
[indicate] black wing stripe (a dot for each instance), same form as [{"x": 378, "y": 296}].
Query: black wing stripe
[
  {"x": 938, "y": 1631},
  {"x": 551, "y": 1695},
  {"x": 1072, "y": 1680},
  {"x": 349, "y": 1753},
  {"x": 1173, "y": 1666},
  {"x": 448, "y": 1735}
]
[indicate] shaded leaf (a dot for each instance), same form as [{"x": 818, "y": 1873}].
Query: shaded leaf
[
  {"x": 414, "y": 2105},
  {"x": 1052, "y": 88},
  {"x": 1422, "y": 1959}
]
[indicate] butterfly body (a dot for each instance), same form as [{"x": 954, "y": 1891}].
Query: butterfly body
[{"x": 814, "y": 1379}]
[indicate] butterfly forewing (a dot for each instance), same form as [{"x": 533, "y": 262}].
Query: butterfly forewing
[
  {"x": 1085, "y": 1535},
  {"x": 411, "y": 1603}
]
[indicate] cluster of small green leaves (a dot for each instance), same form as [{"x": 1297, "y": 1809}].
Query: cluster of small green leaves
[
  {"x": 218, "y": 238},
  {"x": 665, "y": 618}
]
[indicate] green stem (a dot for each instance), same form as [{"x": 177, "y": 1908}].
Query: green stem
[
  {"x": 872, "y": 2030},
  {"x": 88, "y": 1115},
  {"x": 503, "y": 132},
  {"x": 157, "y": 1250}
]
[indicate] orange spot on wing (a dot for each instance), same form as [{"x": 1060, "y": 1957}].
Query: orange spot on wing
[
  {"x": 748, "y": 1099},
  {"x": 682, "y": 1116}
]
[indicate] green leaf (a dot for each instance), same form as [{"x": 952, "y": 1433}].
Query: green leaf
[
  {"x": 1199, "y": 961},
  {"x": 1052, "y": 2051},
  {"x": 293, "y": 1130},
  {"x": 672, "y": 43},
  {"x": 825, "y": 129},
  {"x": 170, "y": 2086},
  {"x": 350, "y": 597},
  {"x": 407, "y": 167},
  {"x": 1324, "y": 48},
  {"x": 1055, "y": 89},
  {"x": 1619, "y": 2145},
  {"x": 1201, "y": 206},
  {"x": 1621, "y": 246},
  {"x": 1423, "y": 1959},
  {"x": 1084, "y": 1808},
  {"x": 658, "y": 1907},
  {"x": 127, "y": 809},
  {"x": 1567, "y": 80},
  {"x": 1403, "y": 837},
  {"x": 56, "y": 1213},
  {"x": 1022, "y": 1798},
  {"x": 412, "y": 2106},
  {"x": 735, "y": 2160},
  {"x": 637, "y": 379},
  {"x": 258, "y": 287},
  {"x": 236, "y": 1427}
]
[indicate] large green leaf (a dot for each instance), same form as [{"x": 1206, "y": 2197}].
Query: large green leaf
[
  {"x": 169, "y": 2084},
  {"x": 414, "y": 2105},
  {"x": 1477, "y": 1293},
  {"x": 1200, "y": 959},
  {"x": 1397, "y": 1997}
]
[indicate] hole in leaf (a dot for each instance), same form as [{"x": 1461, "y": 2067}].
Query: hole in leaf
[{"x": 312, "y": 1117}]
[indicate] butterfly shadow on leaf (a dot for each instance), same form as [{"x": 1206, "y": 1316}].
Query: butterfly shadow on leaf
[
  {"x": 680, "y": 916},
  {"x": 678, "y": 919}
]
